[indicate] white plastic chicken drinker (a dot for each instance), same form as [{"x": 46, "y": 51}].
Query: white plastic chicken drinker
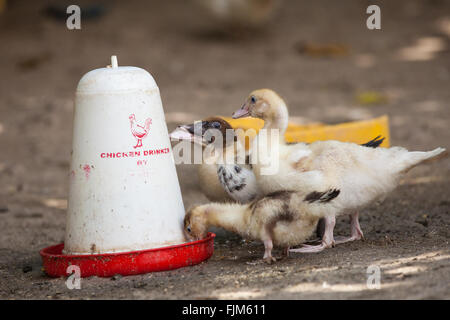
[{"x": 124, "y": 192}]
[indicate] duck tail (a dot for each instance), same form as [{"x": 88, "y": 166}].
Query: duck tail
[{"x": 415, "y": 158}]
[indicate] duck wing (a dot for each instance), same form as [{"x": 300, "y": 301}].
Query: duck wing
[{"x": 238, "y": 181}]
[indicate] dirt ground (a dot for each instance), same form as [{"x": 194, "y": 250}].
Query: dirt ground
[{"x": 201, "y": 73}]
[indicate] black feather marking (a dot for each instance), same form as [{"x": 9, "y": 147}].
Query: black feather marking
[
  {"x": 281, "y": 195},
  {"x": 375, "y": 143},
  {"x": 313, "y": 196},
  {"x": 238, "y": 187},
  {"x": 322, "y": 197},
  {"x": 293, "y": 143}
]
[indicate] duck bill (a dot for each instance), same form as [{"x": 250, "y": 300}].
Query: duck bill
[
  {"x": 243, "y": 112},
  {"x": 181, "y": 133},
  {"x": 185, "y": 133},
  {"x": 188, "y": 236}
]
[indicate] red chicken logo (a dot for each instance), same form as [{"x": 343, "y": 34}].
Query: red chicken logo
[{"x": 139, "y": 132}]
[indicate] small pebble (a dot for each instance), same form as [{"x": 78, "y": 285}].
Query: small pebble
[
  {"x": 27, "y": 268},
  {"x": 423, "y": 222},
  {"x": 139, "y": 285},
  {"x": 116, "y": 277}
]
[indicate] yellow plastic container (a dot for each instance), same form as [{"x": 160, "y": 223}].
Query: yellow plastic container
[
  {"x": 357, "y": 131},
  {"x": 2, "y": 6}
]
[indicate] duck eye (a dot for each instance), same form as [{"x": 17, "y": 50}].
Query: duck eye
[
  {"x": 188, "y": 229},
  {"x": 216, "y": 125},
  {"x": 253, "y": 99}
]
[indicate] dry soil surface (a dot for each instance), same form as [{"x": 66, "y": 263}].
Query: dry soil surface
[{"x": 200, "y": 73}]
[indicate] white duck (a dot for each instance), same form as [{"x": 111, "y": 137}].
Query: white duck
[{"x": 361, "y": 174}]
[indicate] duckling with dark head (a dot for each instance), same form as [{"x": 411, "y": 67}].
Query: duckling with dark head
[{"x": 220, "y": 179}]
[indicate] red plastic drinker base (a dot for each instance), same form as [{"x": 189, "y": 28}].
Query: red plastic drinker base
[{"x": 128, "y": 263}]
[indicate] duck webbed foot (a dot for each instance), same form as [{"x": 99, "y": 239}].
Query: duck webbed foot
[
  {"x": 270, "y": 260},
  {"x": 306, "y": 248},
  {"x": 341, "y": 240}
]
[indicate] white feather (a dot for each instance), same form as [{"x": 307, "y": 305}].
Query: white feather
[{"x": 361, "y": 174}]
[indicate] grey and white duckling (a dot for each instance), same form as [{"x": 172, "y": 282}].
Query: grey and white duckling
[
  {"x": 283, "y": 218},
  {"x": 224, "y": 174},
  {"x": 362, "y": 174}
]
